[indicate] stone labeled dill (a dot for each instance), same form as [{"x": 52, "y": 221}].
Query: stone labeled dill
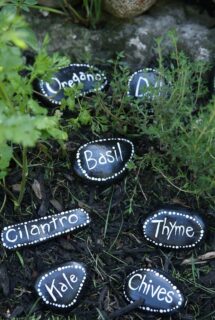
[{"x": 147, "y": 84}]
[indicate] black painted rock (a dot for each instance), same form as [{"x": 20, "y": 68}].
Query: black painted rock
[
  {"x": 147, "y": 83},
  {"x": 174, "y": 228},
  {"x": 158, "y": 292},
  {"x": 38, "y": 230},
  {"x": 103, "y": 160},
  {"x": 84, "y": 76},
  {"x": 61, "y": 287}
]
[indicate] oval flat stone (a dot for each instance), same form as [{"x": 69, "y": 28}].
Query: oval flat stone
[
  {"x": 103, "y": 160},
  {"x": 158, "y": 292},
  {"x": 61, "y": 287},
  {"x": 147, "y": 83},
  {"x": 84, "y": 76},
  {"x": 38, "y": 230},
  {"x": 174, "y": 228}
]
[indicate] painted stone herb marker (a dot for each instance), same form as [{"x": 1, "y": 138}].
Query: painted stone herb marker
[
  {"x": 174, "y": 228},
  {"x": 38, "y": 230},
  {"x": 146, "y": 83},
  {"x": 88, "y": 78},
  {"x": 158, "y": 292},
  {"x": 61, "y": 287},
  {"x": 104, "y": 160}
]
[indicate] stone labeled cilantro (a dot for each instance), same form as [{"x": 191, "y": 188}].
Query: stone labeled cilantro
[{"x": 42, "y": 229}]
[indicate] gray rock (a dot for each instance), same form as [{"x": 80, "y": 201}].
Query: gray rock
[
  {"x": 127, "y": 8},
  {"x": 135, "y": 37}
]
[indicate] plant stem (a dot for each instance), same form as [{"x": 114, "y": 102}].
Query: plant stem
[{"x": 24, "y": 176}]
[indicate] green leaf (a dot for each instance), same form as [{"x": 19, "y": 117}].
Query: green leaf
[
  {"x": 6, "y": 152},
  {"x": 84, "y": 117}
]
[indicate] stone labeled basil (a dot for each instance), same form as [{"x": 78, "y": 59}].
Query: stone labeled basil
[
  {"x": 147, "y": 83},
  {"x": 174, "y": 228},
  {"x": 103, "y": 160},
  {"x": 61, "y": 287},
  {"x": 38, "y": 230},
  {"x": 87, "y": 78},
  {"x": 157, "y": 291}
]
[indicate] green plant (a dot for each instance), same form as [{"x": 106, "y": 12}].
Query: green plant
[
  {"x": 93, "y": 10},
  {"x": 26, "y": 5},
  {"x": 180, "y": 134},
  {"x": 89, "y": 14},
  {"x": 23, "y": 121}
]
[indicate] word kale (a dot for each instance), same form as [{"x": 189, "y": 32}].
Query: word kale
[
  {"x": 156, "y": 291},
  {"x": 147, "y": 83},
  {"x": 174, "y": 228},
  {"x": 61, "y": 287},
  {"x": 84, "y": 77},
  {"x": 38, "y": 230},
  {"x": 103, "y": 160}
]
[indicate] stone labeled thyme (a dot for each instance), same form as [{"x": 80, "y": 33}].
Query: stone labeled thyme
[{"x": 174, "y": 228}]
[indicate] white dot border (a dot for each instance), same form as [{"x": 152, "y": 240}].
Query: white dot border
[
  {"x": 167, "y": 213},
  {"x": 41, "y": 278},
  {"x": 160, "y": 275},
  {"x": 16, "y": 246},
  {"x": 98, "y": 141},
  {"x": 82, "y": 94},
  {"x": 138, "y": 71}
]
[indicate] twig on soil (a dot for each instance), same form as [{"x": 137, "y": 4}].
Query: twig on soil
[
  {"x": 126, "y": 309},
  {"x": 102, "y": 296}
]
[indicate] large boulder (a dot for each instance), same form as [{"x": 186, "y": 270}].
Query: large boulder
[
  {"x": 136, "y": 37},
  {"x": 127, "y": 8}
]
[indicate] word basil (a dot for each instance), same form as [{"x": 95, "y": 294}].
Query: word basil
[
  {"x": 62, "y": 286},
  {"x": 176, "y": 229},
  {"x": 103, "y": 160},
  {"x": 38, "y": 230},
  {"x": 157, "y": 292}
]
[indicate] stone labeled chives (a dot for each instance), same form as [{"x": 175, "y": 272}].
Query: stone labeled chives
[
  {"x": 156, "y": 291},
  {"x": 61, "y": 287},
  {"x": 38, "y": 230},
  {"x": 103, "y": 160},
  {"x": 84, "y": 77},
  {"x": 174, "y": 228}
]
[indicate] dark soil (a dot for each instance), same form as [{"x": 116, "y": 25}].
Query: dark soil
[{"x": 111, "y": 247}]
